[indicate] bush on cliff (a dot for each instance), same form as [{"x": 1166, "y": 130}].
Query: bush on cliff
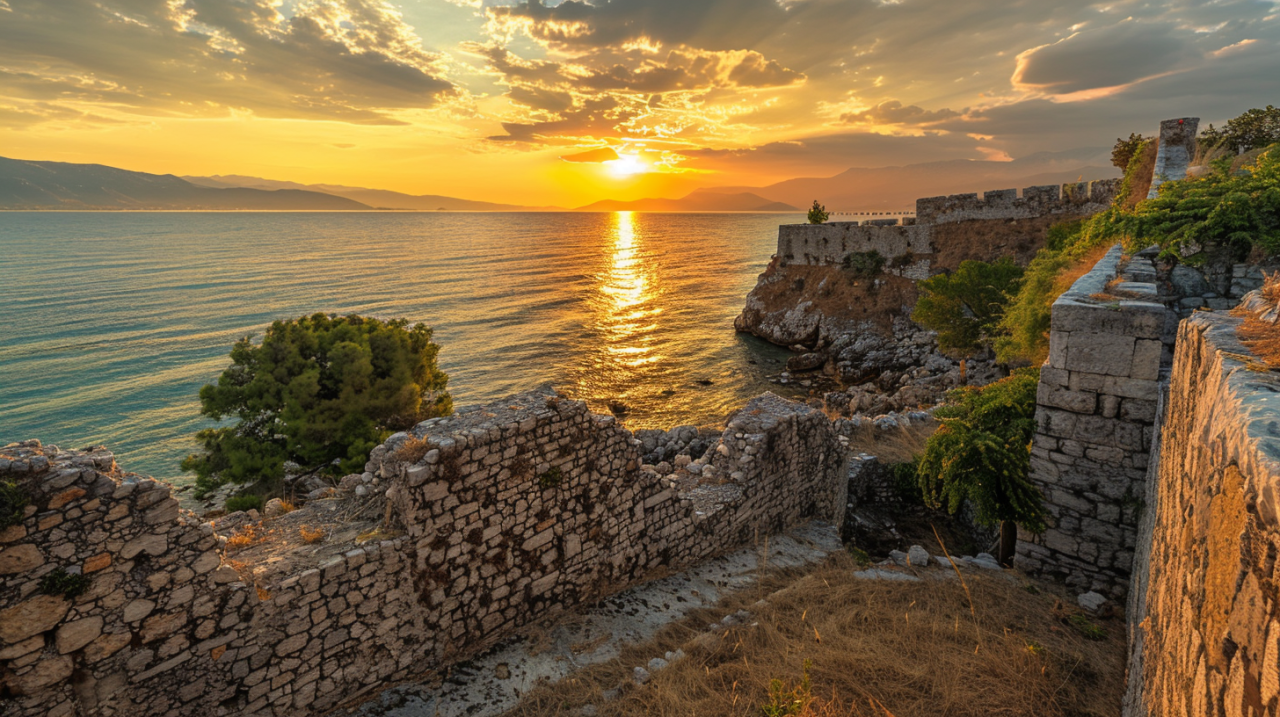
[
  {"x": 966, "y": 306},
  {"x": 320, "y": 391},
  {"x": 982, "y": 454}
]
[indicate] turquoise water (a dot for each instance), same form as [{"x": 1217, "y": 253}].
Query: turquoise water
[{"x": 112, "y": 321}]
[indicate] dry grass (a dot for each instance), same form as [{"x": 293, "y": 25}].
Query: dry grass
[
  {"x": 310, "y": 535},
  {"x": 897, "y": 445},
  {"x": 1082, "y": 266},
  {"x": 287, "y": 506},
  {"x": 1259, "y": 336},
  {"x": 1141, "y": 183},
  {"x": 875, "y": 648},
  {"x": 411, "y": 451},
  {"x": 245, "y": 537}
]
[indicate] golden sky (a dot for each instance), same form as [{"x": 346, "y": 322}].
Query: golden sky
[{"x": 569, "y": 102}]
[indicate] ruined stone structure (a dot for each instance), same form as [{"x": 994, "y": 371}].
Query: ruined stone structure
[
  {"x": 113, "y": 601},
  {"x": 1096, "y": 405},
  {"x": 1177, "y": 146},
  {"x": 1205, "y": 620},
  {"x": 829, "y": 244}
]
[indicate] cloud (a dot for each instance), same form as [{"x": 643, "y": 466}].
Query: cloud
[
  {"x": 592, "y": 156},
  {"x": 1106, "y": 58},
  {"x": 349, "y": 60},
  {"x": 894, "y": 112}
]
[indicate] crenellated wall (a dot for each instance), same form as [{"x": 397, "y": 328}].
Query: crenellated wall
[
  {"x": 912, "y": 241},
  {"x": 506, "y": 514}
]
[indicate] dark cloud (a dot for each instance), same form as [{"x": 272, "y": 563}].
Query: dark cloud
[
  {"x": 596, "y": 117},
  {"x": 894, "y": 112},
  {"x": 338, "y": 59},
  {"x": 830, "y": 154},
  {"x": 1107, "y": 57}
]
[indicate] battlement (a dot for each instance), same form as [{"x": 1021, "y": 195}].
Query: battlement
[{"x": 1006, "y": 204}]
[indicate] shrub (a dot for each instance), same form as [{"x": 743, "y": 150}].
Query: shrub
[
  {"x": 13, "y": 503},
  {"x": 1254, "y": 129},
  {"x": 966, "y": 306},
  {"x": 864, "y": 263},
  {"x": 61, "y": 582},
  {"x": 244, "y": 502},
  {"x": 818, "y": 213},
  {"x": 320, "y": 391},
  {"x": 1125, "y": 150},
  {"x": 787, "y": 701},
  {"x": 551, "y": 477},
  {"x": 1216, "y": 218},
  {"x": 982, "y": 451}
]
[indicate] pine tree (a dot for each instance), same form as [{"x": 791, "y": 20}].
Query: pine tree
[{"x": 817, "y": 213}]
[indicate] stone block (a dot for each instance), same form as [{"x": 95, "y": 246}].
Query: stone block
[
  {"x": 1074, "y": 401},
  {"x": 32, "y": 617},
  {"x": 1144, "y": 389},
  {"x": 1146, "y": 359},
  {"x": 1101, "y": 353},
  {"x": 75, "y": 635},
  {"x": 1058, "y": 341},
  {"x": 1136, "y": 320},
  {"x": 20, "y": 559}
]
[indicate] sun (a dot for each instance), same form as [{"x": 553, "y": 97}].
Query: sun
[{"x": 626, "y": 165}]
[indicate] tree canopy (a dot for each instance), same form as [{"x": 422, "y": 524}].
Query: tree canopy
[
  {"x": 982, "y": 453},
  {"x": 817, "y": 213},
  {"x": 1125, "y": 149},
  {"x": 1255, "y": 129},
  {"x": 965, "y": 306},
  {"x": 320, "y": 391}
]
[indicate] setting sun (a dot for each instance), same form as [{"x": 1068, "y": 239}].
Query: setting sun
[{"x": 626, "y": 165}]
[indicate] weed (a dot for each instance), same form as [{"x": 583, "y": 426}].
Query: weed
[
  {"x": 551, "y": 478},
  {"x": 61, "y": 582},
  {"x": 860, "y": 556},
  {"x": 244, "y": 537},
  {"x": 13, "y": 503},
  {"x": 286, "y": 506},
  {"x": 864, "y": 263},
  {"x": 310, "y": 535},
  {"x": 787, "y": 701},
  {"x": 412, "y": 450},
  {"x": 1087, "y": 628}
]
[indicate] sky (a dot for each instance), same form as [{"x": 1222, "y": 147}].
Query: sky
[{"x": 564, "y": 103}]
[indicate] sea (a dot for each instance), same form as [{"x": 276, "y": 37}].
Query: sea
[{"x": 110, "y": 322}]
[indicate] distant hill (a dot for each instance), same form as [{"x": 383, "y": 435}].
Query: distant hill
[
  {"x": 699, "y": 201},
  {"x": 379, "y": 198},
  {"x": 897, "y": 188},
  {"x": 61, "y": 185}
]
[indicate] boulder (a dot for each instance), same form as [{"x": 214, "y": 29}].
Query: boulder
[{"x": 806, "y": 362}]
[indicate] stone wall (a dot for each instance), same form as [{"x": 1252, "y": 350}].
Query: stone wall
[
  {"x": 1206, "y": 627},
  {"x": 1177, "y": 147},
  {"x": 1096, "y": 405},
  {"x": 911, "y": 242},
  {"x": 507, "y": 514}
]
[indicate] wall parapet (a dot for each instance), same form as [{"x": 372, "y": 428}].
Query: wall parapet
[
  {"x": 508, "y": 513},
  {"x": 1095, "y": 407},
  {"x": 1206, "y": 629}
]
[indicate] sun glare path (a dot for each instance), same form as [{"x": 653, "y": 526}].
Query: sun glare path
[
  {"x": 627, "y": 316},
  {"x": 626, "y": 165}
]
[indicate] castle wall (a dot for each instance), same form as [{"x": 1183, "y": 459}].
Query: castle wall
[
  {"x": 911, "y": 242},
  {"x": 1177, "y": 146},
  {"x": 1205, "y": 628},
  {"x": 508, "y": 514},
  {"x": 1095, "y": 408}
]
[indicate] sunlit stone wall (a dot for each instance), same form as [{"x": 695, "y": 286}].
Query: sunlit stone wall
[
  {"x": 1205, "y": 622},
  {"x": 114, "y": 601}
]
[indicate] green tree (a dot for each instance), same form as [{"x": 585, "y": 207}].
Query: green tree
[
  {"x": 982, "y": 454},
  {"x": 1126, "y": 149},
  {"x": 818, "y": 213},
  {"x": 320, "y": 391},
  {"x": 1254, "y": 129},
  {"x": 965, "y": 306}
]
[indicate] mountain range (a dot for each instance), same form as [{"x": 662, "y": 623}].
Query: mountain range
[{"x": 60, "y": 185}]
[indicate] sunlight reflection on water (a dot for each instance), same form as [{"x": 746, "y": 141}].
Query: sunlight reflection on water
[{"x": 113, "y": 321}]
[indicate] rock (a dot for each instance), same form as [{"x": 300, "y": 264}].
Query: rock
[
  {"x": 918, "y": 557},
  {"x": 656, "y": 664},
  {"x": 502, "y": 671},
  {"x": 46, "y": 672},
  {"x": 806, "y": 362},
  {"x": 640, "y": 675},
  {"x": 899, "y": 558},
  {"x": 1091, "y": 601},
  {"x": 274, "y": 508},
  {"x": 75, "y": 635},
  {"x": 32, "y": 617},
  {"x": 20, "y": 559},
  {"x": 349, "y": 482},
  {"x": 1188, "y": 281}
]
